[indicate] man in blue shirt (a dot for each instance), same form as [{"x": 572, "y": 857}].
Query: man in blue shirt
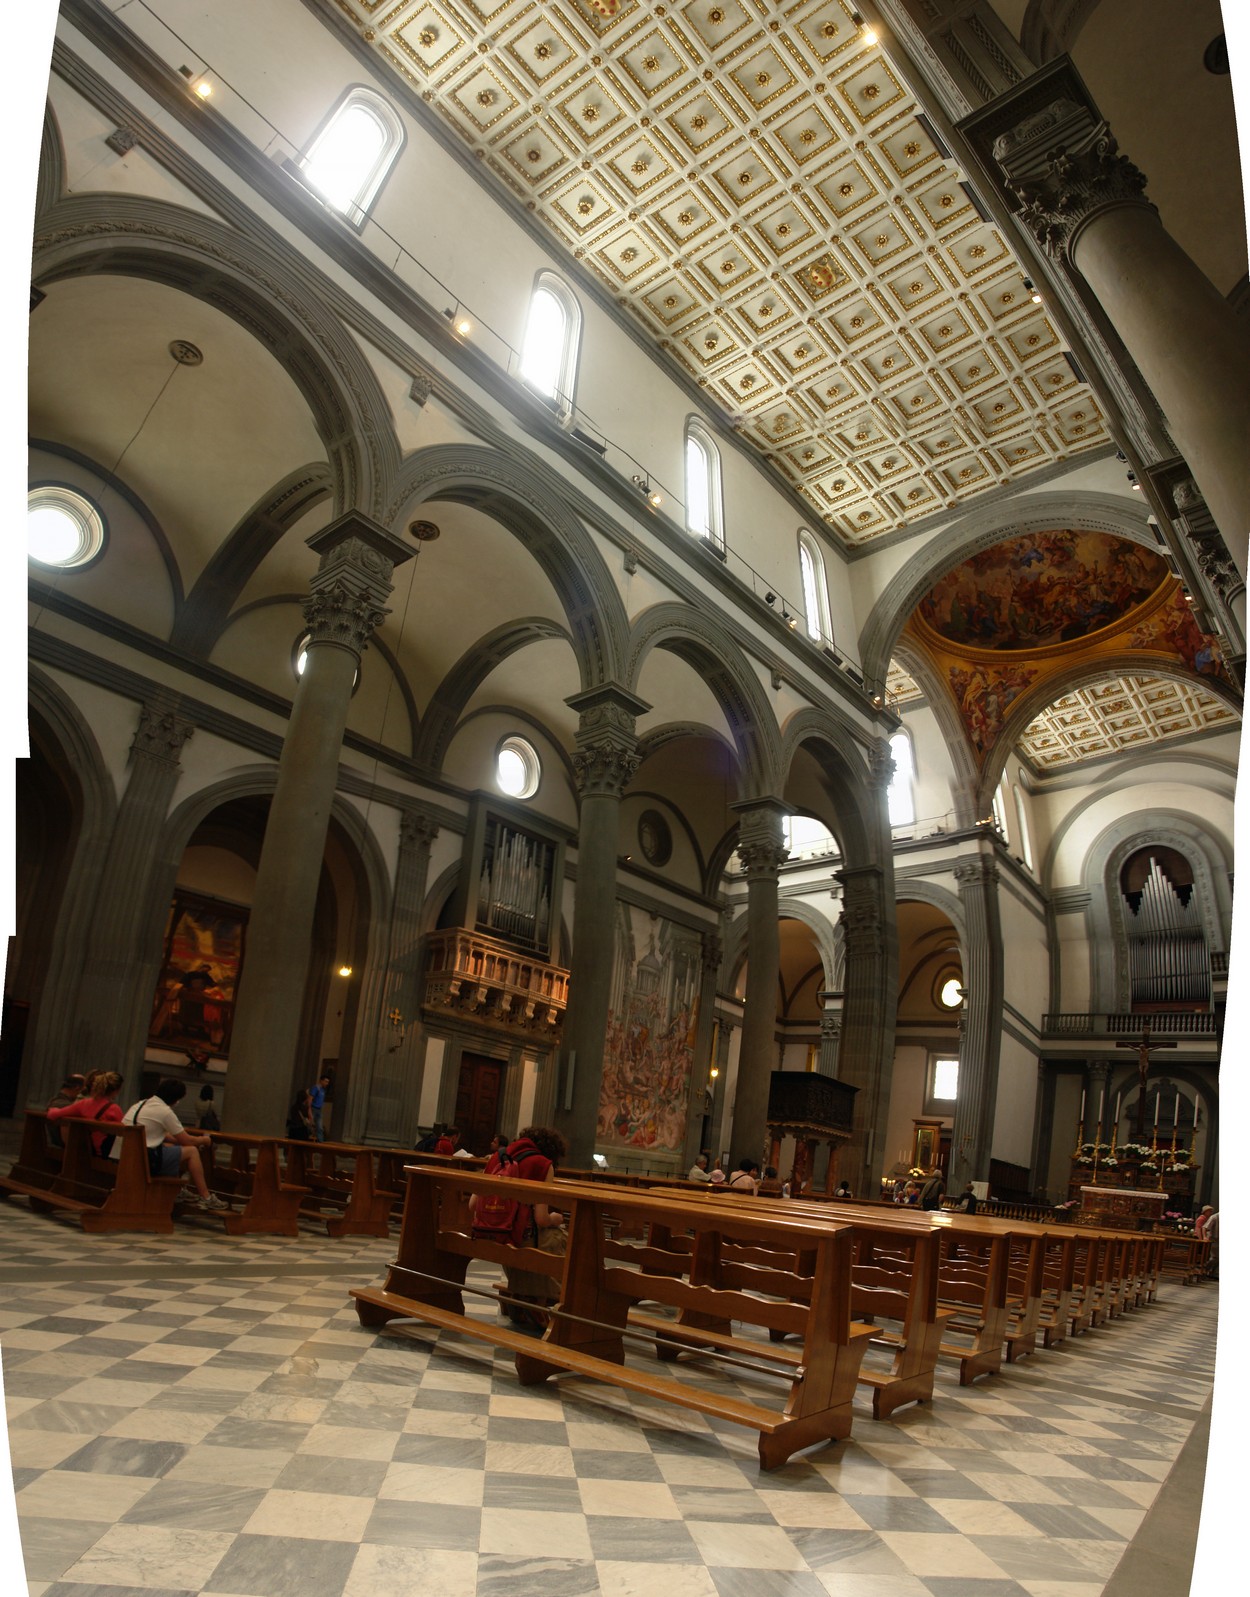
[{"x": 317, "y": 1096}]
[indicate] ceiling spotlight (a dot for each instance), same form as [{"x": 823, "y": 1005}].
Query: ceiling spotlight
[
  {"x": 1133, "y": 482},
  {"x": 203, "y": 89},
  {"x": 1033, "y": 293},
  {"x": 877, "y": 701},
  {"x": 655, "y": 500},
  {"x": 788, "y": 618},
  {"x": 867, "y": 31},
  {"x": 464, "y": 328},
  {"x": 345, "y": 970}
]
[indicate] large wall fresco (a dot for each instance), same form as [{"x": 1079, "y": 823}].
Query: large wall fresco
[
  {"x": 649, "y": 1050},
  {"x": 1049, "y": 587}
]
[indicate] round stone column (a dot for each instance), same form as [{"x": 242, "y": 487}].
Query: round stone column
[
  {"x": 1085, "y": 203},
  {"x": 344, "y": 607},
  {"x": 981, "y": 1023},
  {"x": 762, "y": 850},
  {"x": 604, "y": 761}
]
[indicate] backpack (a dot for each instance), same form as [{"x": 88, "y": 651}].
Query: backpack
[{"x": 497, "y": 1216}]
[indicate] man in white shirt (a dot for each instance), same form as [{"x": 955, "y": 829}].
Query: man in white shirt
[{"x": 172, "y": 1149}]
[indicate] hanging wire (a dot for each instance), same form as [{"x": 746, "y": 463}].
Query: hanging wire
[{"x": 57, "y": 573}]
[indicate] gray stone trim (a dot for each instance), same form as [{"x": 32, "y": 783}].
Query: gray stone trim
[
  {"x": 208, "y": 607},
  {"x": 1070, "y": 900},
  {"x": 699, "y": 638}
]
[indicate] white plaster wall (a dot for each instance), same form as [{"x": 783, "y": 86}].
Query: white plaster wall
[
  {"x": 911, "y": 1063},
  {"x": 1063, "y": 1139},
  {"x": 1014, "y": 1104}
]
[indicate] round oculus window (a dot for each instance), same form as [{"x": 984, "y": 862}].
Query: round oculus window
[
  {"x": 951, "y": 993},
  {"x": 64, "y": 530},
  {"x": 517, "y": 769},
  {"x": 654, "y": 838}
]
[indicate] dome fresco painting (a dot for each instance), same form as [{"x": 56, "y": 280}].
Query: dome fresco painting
[{"x": 1049, "y": 587}]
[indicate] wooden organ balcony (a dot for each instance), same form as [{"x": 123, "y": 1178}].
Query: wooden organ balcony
[{"x": 471, "y": 974}]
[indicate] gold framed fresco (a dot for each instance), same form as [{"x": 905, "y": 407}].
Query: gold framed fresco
[{"x": 193, "y": 1007}]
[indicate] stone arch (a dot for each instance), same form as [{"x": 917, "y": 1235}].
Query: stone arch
[
  {"x": 180, "y": 825},
  {"x": 122, "y": 235},
  {"x": 446, "y": 706},
  {"x": 849, "y": 775},
  {"x": 707, "y": 647},
  {"x": 984, "y": 527},
  {"x": 1108, "y": 940},
  {"x": 954, "y": 734},
  {"x": 48, "y": 1044},
  {"x": 50, "y": 177},
  {"x": 514, "y": 494},
  {"x": 826, "y": 934},
  {"x": 1035, "y": 699},
  {"x": 207, "y": 610}
]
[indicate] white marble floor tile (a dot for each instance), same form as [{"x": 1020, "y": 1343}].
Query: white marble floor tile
[
  {"x": 149, "y": 1555},
  {"x": 382, "y": 1569},
  {"x": 977, "y": 1517},
  {"x": 234, "y": 1466},
  {"x": 933, "y": 1554},
  {"x": 1015, "y": 1488},
  {"x": 528, "y": 1458},
  {"x": 680, "y": 1469},
  {"x": 744, "y": 1546},
  {"x": 319, "y": 1516},
  {"x": 813, "y": 1510},
  {"x": 607, "y": 1438},
  {"x": 618, "y": 1579},
  {"x": 426, "y": 1483},
  {"x": 628, "y": 1499},
  {"x": 164, "y": 1425},
  {"x": 524, "y": 1531},
  {"x": 841, "y": 1583},
  {"x": 343, "y": 1441},
  {"x": 72, "y": 1494}
]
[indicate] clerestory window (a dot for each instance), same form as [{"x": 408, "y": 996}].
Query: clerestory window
[
  {"x": 704, "y": 514},
  {"x": 815, "y": 587},
  {"x": 552, "y": 336},
  {"x": 901, "y": 796},
  {"x": 351, "y": 155}
]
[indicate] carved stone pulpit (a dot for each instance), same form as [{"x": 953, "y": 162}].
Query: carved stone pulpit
[{"x": 812, "y": 1109}]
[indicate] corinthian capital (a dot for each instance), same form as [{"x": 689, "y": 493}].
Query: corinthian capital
[
  {"x": 972, "y": 873},
  {"x": 161, "y": 733},
  {"x": 606, "y": 755},
  {"x": 761, "y": 837},
  {"x": 416, "y": 830},
  {"x": 880, "y": 768},
  {"x": 346, "y": 602}
]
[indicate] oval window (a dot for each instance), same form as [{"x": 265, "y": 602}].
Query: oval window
[
  {"x": 64, "y": 529},
  {"x": 517, "y": 769}
]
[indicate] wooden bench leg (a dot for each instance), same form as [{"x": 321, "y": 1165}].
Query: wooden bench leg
[{"x": 583, "y": 1295}]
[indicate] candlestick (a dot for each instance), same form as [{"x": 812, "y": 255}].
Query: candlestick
[
  {"x": 1081, "y": 1112},
  {"x": 1118, "y": 1096},
  {"x": 1102, "y": 1097},
  {"x": 1157, "y": 1097},
  {"x": 1176, "y": 1114}
]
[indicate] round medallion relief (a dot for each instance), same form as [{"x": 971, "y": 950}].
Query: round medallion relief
[{"x": 654, "y": 838}]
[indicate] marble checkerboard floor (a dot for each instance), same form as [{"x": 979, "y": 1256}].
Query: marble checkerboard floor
[{"x": 205, "y": 1414}]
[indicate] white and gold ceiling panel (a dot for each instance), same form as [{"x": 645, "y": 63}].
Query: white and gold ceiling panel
[
  {"x": 755, "y": 184},
  {"x": 1113, "y": 716}
]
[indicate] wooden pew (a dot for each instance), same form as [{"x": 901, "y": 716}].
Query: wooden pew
[
  {"x": 255, "y": 1176},
  {"x": 103, "y": 1194},
  {"x": 592, "y": 1317}
]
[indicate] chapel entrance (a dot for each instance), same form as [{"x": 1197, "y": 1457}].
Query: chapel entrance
[{"x": 477, "y": 1100}]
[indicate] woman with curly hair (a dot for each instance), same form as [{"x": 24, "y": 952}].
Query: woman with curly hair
[{"x": 533, "y": 1156}]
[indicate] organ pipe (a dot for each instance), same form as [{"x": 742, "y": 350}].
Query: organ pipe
[{"x": 1168, "y": 959}]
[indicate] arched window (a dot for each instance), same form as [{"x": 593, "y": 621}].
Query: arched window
[
  {"x": 703, "y": 492},
  {"x": 999, "y": 809},
  {"x": 552, "y": 335},
  {"x": 815, "y": 587},
  {"x": 348, "y": 159},
  {"x": 902, "y": 794},
  {"x": 1026, "y": 846}
]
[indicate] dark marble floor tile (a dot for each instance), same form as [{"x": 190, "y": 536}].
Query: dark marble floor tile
[
  {"x": 536, "y": 1433},
  {"x": 613, "y": 1465},
  {"x": 345, "y": 1477},
  {"x": 445, "y": 1452},
  {"x": 1103, "y": 1468},
  {"x": 425, "y": 1525},
  {"x": 263, "y": 1434},
  {"x": 825, "y": 1548},
  {"x": 940, "y": 1483},
  {"x": 1037, "y": 1558},
  {"x": 23, "y": 1477},
  {"x": 231, "y": 1358},
  {"x": 963, "y": 1586},
  {"x": 68, "y": 1588},
  {"x": 717, "y": 1503},
  {"x": 198, "y": 1339},
  {"x": 766, "y": 1583},
  {"x": 407, "y": 1378},
  {"x": 144, "y": 1370},
  {"x": 366, "y": 1416},
  {"x": 195, "y": 1505},
  {"x": 548, "y": 1494},
  {"x": 121, "y": 1455},
  {"x": 193, "y": 1400},
  {"x": 649, "y": 1541},
  {"x": 103, "y": 1347},
  {"x": 500, "y": 1575},
  {"x": 30, "y": 1383},
  {"x": 796, "y": 1476},
  {"x": 1071, "y": 1523},
  {"x": 437, "y": 1397},
  {"x": 297, "y": 1385},
  {"x": 50, "y": 1546},
  {"x": 283, "y": 1566},
  {"x": 898, "y": 1513}
]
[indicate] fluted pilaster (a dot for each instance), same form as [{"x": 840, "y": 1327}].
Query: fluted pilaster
[{"x": 762, "y": 850}]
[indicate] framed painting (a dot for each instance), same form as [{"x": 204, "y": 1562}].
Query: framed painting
[
  {"x": 925, "y": 1151},
  {"x": 193, "y": 1008}
]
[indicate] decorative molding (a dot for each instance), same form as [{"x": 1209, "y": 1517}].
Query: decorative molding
[{"x": 161, "y": 732}]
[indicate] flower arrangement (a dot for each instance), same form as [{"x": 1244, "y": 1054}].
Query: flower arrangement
[
  {"x": 1135, "y": 1150},
  {"x": 1149, "y": 1169},
  {"x": 1084, "y": 1159},
  {"x": 1110, "y": 1161},
  {"x": 1182, "y": 1156}
]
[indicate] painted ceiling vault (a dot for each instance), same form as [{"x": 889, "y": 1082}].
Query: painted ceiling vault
[
  {"x": 1031, "y": 611},
  {"x": 755, "y": 185}
]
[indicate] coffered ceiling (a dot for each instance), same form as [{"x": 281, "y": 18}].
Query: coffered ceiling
[{"x": 754, "y": 184}]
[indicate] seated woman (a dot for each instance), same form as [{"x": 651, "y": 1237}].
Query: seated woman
[
  {"x": 746, "y": 1175},
  {"x": 699, "y": 1170},
  {"x": 532, "y": 1157},
  {"x": 100, "y": 1103}
]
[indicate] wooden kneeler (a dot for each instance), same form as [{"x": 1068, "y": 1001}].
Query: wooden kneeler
[{"x": 591, "y": 1320}]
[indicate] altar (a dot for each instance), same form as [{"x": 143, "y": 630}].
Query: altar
[{"x": 1126, "y": 1208}]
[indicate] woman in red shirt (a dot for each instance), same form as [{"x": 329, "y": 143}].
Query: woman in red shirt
[{"x": 99, "y": 1103}]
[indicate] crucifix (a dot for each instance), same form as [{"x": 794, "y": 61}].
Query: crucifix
[{"x": 1144, "y": 1050}]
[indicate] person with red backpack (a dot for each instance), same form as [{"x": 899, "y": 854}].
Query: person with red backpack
[{"x": 532, "y": 1157}]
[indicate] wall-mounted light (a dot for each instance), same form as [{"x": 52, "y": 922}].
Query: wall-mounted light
[
  {"x": 655, "y": 500},
  {"x": 770, "y": 598},
  {"x": 867, "y": 32},
  {"x": 1033, "y": 293},
  {"x": 345, "y": 970},
  {"x": 1132, "y": 481},
  {"x": 788, "y": 618},
  {"x": 713, "y": 1073}
]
